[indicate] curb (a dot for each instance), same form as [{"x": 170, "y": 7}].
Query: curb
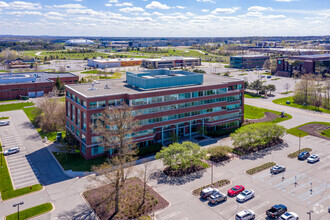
[
  {"x": 87, "y": 203},
  {"x": 45, "y": 212}
]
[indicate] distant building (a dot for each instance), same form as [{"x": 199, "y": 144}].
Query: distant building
[
  {"x": 166, "y": 103},
  {"x": 12, "y": 86},
  {"x": 170, "y": 62},
  {"x": 79, "y": 41},
  {"x": 248, "y": 61},
  {"x": 108, "y": 63},
  {"x": 308, "y": 64},
  {"x": 19, "y": 63}
]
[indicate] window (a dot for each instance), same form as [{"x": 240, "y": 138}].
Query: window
[
  {"x": 83, "y": 148},
  {"x": 84, "y": 103},
  {"x": 78, "y": 117},
  {"x": 69, "y": 109},
  {"x": 194, "y": 94},
  {"x": 156, "y": 99},
  {"x": 184, "y": 95},
  {"x": 101, "y": 104},
  {"x": 96, "y": 139},
  {"x": 73, "y": 114},
  {"x": 97, "y": 150},
  {"x": 93, "y": 105},
  {"x": 170, "y": 97},
  {"x": 115, "y": 102},
  {"x": 83, "y": 138},
  {"x": 84, "y": 121}
]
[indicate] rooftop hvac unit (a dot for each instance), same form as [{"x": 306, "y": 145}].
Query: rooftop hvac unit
[
  {"x": 106, "y": 86},
  {"x": 96, "y": 82},
  {"x": 92, "y": 88}
]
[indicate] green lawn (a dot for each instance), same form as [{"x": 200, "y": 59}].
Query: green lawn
[
  {"x": 252, "y": 112},
  {"x": 76, "y": 162},
  {"x": 31, "y": 212},
  {"x": 252, "y": 95},
  {"x": 282, "y": 101},
  {"x": 12, "y": 100},
  {"x": 91, "y": 72},
  {"x": 326, "y": 133},
  {"x": 296, "y": 131},
  {"x": 31, "y": 113},
  {"x": 6, "y": 188},
  {"x": 62, "y": 54},
  {"x": 2, "y": 118},
  {"x": 15, "y": 106}
]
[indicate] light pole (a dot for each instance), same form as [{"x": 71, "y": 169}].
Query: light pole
[
  {"x": 299, "y": 140},
  {"x": 310, "y": 214},
  {"x": 212, "y": 175},
  {"x": 295, "y": 181},
  {"x": 18, "y": 204}
]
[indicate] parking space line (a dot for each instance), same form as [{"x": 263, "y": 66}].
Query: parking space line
[
  {"x": 170, "y": 215},
  {"x": 299, "y": 187},
  {"x": 260, "y": 205},
  {"x": 263, "y": 216},
  {"x": 316, "y": 191}
]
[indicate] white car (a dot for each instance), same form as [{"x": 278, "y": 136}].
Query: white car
[
  {"x": 11, "y": 151},
  {"x": 314, "y": 158},
  {"x": 245, "y": 215},
  {"x": 4, "y": 123},
  {"x": 289, "y": 216},
  {"x": 205, "y": 193},
  {"x": 245, "y": 195}
]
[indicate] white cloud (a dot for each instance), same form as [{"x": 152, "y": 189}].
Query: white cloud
[
  {"x": 210, "y": 1},
  {"x": 69, "y": 6},
  {"x": 20, "y": 5},
  {"x": 113, "y": 1},
  {"x": 180, "y": 7},
  {"x": 20, "y": 13},
  {"x": 124, "y": 4},
  {"x": 259, "y": 8},
  {"x": 54, "y": 15},
  {"x": 205, "y": 10},
  {"x": 225, "y": 10},
  {"x": 131, "y": 9},
  {"x": 108, "y": 4},
  {"x": 285, "y": 0},
  {"x": 78, "y": 0},
  {"x": 157, "y": 5}
]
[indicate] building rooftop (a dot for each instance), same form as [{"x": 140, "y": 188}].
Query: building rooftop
[
  {"x": 251, "y": 55},
  {"x": 30, "y": 77},
  {"x": 172, "y": 58},
  {"x": 312, "y": 57},
  {"x": 120, "y": 86},
  {"x": 115, "y": 60}
]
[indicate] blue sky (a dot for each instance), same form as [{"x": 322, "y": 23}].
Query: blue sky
[{"x": 165, "y": 18}]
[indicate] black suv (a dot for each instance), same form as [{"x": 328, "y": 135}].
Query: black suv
[{"x": 303, "y": 155}]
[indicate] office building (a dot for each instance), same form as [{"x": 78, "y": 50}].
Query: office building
[
  {"x": 248, "y": 61},
  {"x": 12, "y": 86},
  {"x": 170, "y": 62},
  {"x": 108, "y": 63},
  {"x": 165, "y": 103}
]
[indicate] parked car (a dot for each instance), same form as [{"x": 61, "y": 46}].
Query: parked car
[
  {"x": 314, "y": 158},
  {"x": 4, "y": 123},
  {"x": 268, "y": 77},
  {"x": 245, "y": 215},
  {"x": 245, "y": 195},
  {"x": 276, "y": 211},
  {"x": 262, "y": 76},
  {"x": 217, "y": 197},
  {"x": 207, "y": 192},
  {"x": 277, "y": 169},
  {"x": 236, "y": 190},
  {"x": 11, "y": 151},
  {"x": 289, "y": 216},
  {"x": 303, "y": 155}
]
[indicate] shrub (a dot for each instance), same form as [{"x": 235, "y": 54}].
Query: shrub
[
  {"x": 142, "y": 151},
  {"x": 260, "y": 168},
  {"x": 216, "y": 185},
  {"x": 218, "y": 151},
  {"x": 295, "y": 154}
]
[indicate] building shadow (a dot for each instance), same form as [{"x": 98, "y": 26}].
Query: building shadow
[{"x": 45, "y": 167}]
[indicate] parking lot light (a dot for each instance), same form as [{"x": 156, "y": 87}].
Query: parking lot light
[
  {"x": 310, "y": 214},
  {"x": 295, "y": 181},
  {"x": 18, "y": 204},
  {"x": 299, "y": 140}
]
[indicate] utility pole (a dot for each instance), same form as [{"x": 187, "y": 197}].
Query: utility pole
[{"x": 18, "y": 204}]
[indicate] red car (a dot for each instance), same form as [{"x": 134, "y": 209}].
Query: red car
[{"x": 236, "y": 190}]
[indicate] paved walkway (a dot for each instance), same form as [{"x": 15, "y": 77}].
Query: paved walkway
[{"x": 21, "y": 172}]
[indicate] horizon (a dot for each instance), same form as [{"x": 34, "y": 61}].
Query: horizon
[{"x": 157, "y": 19}]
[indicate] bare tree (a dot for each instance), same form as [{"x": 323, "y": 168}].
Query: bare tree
[
  {"x": 287, "y": 87},
  {"x": 145, "y": 172}
]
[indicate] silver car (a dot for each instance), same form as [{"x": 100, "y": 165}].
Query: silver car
[
  {"x": 277, "y": 169},
  {"x": 217, "y": 197},
  {"x": 4, "y": 123},
  {"x": 11, "y": 151},
  {"x": 314, "y": 158},
  {"x": 245, "y": 195}
]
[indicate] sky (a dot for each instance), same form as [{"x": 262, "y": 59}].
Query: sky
[{"x": 165, "y": 18}]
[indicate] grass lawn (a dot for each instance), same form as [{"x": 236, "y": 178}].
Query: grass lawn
[
  {"x": 91, "y": 71},
  {"x": 252, "y": 112},
  {"x": 282, "y": 101},
  {"x": 284, "y": 93},
  {"x": 326, "y": 133},
  {"x": 12, "y": 100},
  {"x": 15, "y": 106},
  {"x": 6, "y": 188},
  {"x": 62, "y": 99},
  {"x": 296, "y": 131},
  {"x": 76, "y": 162},
  {"x": 2, "y": 118},
  {"x": 31, "y": 212},
  {"x": 63, "y": 54},
  {"x": 276, "y": 79},
  {"x": 31, "y": 114}
]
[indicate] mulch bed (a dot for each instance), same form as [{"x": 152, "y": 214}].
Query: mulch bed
[
  {"x": 269, "y": 116},
  {"x": 261, "y": 147},
  {"x": 180, "y": 172},
  {"x": 102, "y": 200},
  {"x": 315, "y": 130},
  {"x": 216, "y": 184}
]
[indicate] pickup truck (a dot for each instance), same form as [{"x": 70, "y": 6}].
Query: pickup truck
[{"x": 276, "y": 211}]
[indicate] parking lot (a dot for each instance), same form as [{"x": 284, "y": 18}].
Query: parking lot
[
  {"x": 311, "y": 191},
  {"x": 21, "y": 171}
]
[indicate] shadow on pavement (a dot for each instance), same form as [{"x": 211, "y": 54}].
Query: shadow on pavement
[
  {"x": 80, "y": 212},
  {"x": 264, "y": 152},
  {"x": 45, "y": 167},
  {"x": 164, "y": 179}
]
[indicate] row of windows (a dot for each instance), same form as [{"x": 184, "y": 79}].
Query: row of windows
[
  {"x": 76, "y": 99},
  {"x": 24, "y": 89},
  {"x": 185, "y": 105},
  {"x": 98, "y": 139},
  {"x": 103, "y": 104},
  {"x": 222, "y": 117},
  {"x": 73, "y": 112},
  {"x": 181, "y": 115},
  {"x": 225, "y": 125},
  {"x": 166, "y": 98}
]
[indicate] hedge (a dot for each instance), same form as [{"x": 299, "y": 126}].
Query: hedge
[
  {"x": 217, "y": 184},
  {"x": 260, "y": 168},
  {"x": 296, "y": 153}
]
